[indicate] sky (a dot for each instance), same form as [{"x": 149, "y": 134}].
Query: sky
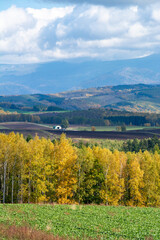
[{"x": 35, "y": 31}]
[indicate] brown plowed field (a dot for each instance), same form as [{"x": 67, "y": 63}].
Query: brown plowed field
[
  {"x": 24, "y": 125},
  {"x": 26, "y": 129},
  {"x": 45, "y": 131},
  {"x": 111, "y": 135}
]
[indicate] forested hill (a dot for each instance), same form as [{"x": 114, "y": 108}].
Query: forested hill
[{"x": 134, "y": 98}]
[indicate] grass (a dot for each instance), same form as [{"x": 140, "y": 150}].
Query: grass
[
  {"x": 108, "y": 128},
  {"x": 88, "y": 128},
  {"x": 32, "y": 112},
  {"x": 84, "y": 222},
  {"x": 42, "y": 112}
]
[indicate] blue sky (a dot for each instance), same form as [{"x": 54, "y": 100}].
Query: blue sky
[
  {"x": 33, "y": 31},
  {"x": 27, "y": 3}
]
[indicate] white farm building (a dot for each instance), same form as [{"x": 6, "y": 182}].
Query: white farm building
[{"x": 57, "y": 127}]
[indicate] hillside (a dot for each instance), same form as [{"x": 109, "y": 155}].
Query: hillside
[{"x": 134, "y": 98}]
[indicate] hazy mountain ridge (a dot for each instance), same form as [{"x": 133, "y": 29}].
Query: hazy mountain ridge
[{"x": 54, "y": 77}]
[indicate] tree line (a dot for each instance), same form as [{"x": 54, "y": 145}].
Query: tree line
[
  {"x": 92, "y": 117},
  {"x": 102, "y": 117},
  {"x": 136, "y": 145},
  {"x": 44, "y": 171},
  {"x": 35, "y": 108},
  {"x": 19, "y": 118},
  {"x": 130, "y": 145}
]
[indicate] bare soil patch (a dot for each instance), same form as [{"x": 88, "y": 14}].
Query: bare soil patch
[{"x": 140, "y": 134}]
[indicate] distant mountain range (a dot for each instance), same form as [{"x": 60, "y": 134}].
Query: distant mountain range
[
  {"x": 134, "y": 98},
  {"x": 54, "y": 77}
]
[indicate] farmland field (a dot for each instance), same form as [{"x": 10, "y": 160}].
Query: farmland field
[
  {"x": 109, "y": 128},
  {"x": 26, "y": 128},
  {"x": 46, "y": 130},
  {"x": 3, "y": 127},
  {"x": 79, "y": 221}
]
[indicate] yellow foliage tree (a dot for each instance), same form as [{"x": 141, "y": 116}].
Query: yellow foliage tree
[
  {"x": 65, "y": 170},
  {"x": 134, "y": 180},
  {"x": 150, "y": 163}
]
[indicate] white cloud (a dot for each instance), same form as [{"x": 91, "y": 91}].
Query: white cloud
[
  {"x": 107, "y": 2},
  {"x": 108, "y": 33},
  {"x": 156, "y": 14},
  {"x": 137, "y": 30},
  {"x": 44, "y": 16},
  {"x": 13, "y": 20}
]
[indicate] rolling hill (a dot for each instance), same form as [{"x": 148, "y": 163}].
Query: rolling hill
[{"x": 134, "y": 98}]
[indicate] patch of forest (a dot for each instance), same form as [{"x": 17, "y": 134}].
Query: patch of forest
[
  {"x": 92, "y": 117},
  {"x": 103, "y": 117},
  {"x": 45, "y": 171}
]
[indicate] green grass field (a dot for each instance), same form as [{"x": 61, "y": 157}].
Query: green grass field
[
  {"x": 108, "y": 128},
  {"x": 32, "y": 112},
  {"x": 84, "y": 222}
]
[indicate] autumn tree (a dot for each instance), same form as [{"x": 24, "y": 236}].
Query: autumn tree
[
  {"x": 65, "y": 157},
  {"x": 133, "y": 181}
]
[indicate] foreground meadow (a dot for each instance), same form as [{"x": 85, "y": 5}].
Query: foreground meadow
[{"x": 82, "y": 221}]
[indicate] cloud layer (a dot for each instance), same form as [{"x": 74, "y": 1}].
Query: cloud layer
[
  {"x": 107, "y": 2},
  {"x": 79, "y": 31}
]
